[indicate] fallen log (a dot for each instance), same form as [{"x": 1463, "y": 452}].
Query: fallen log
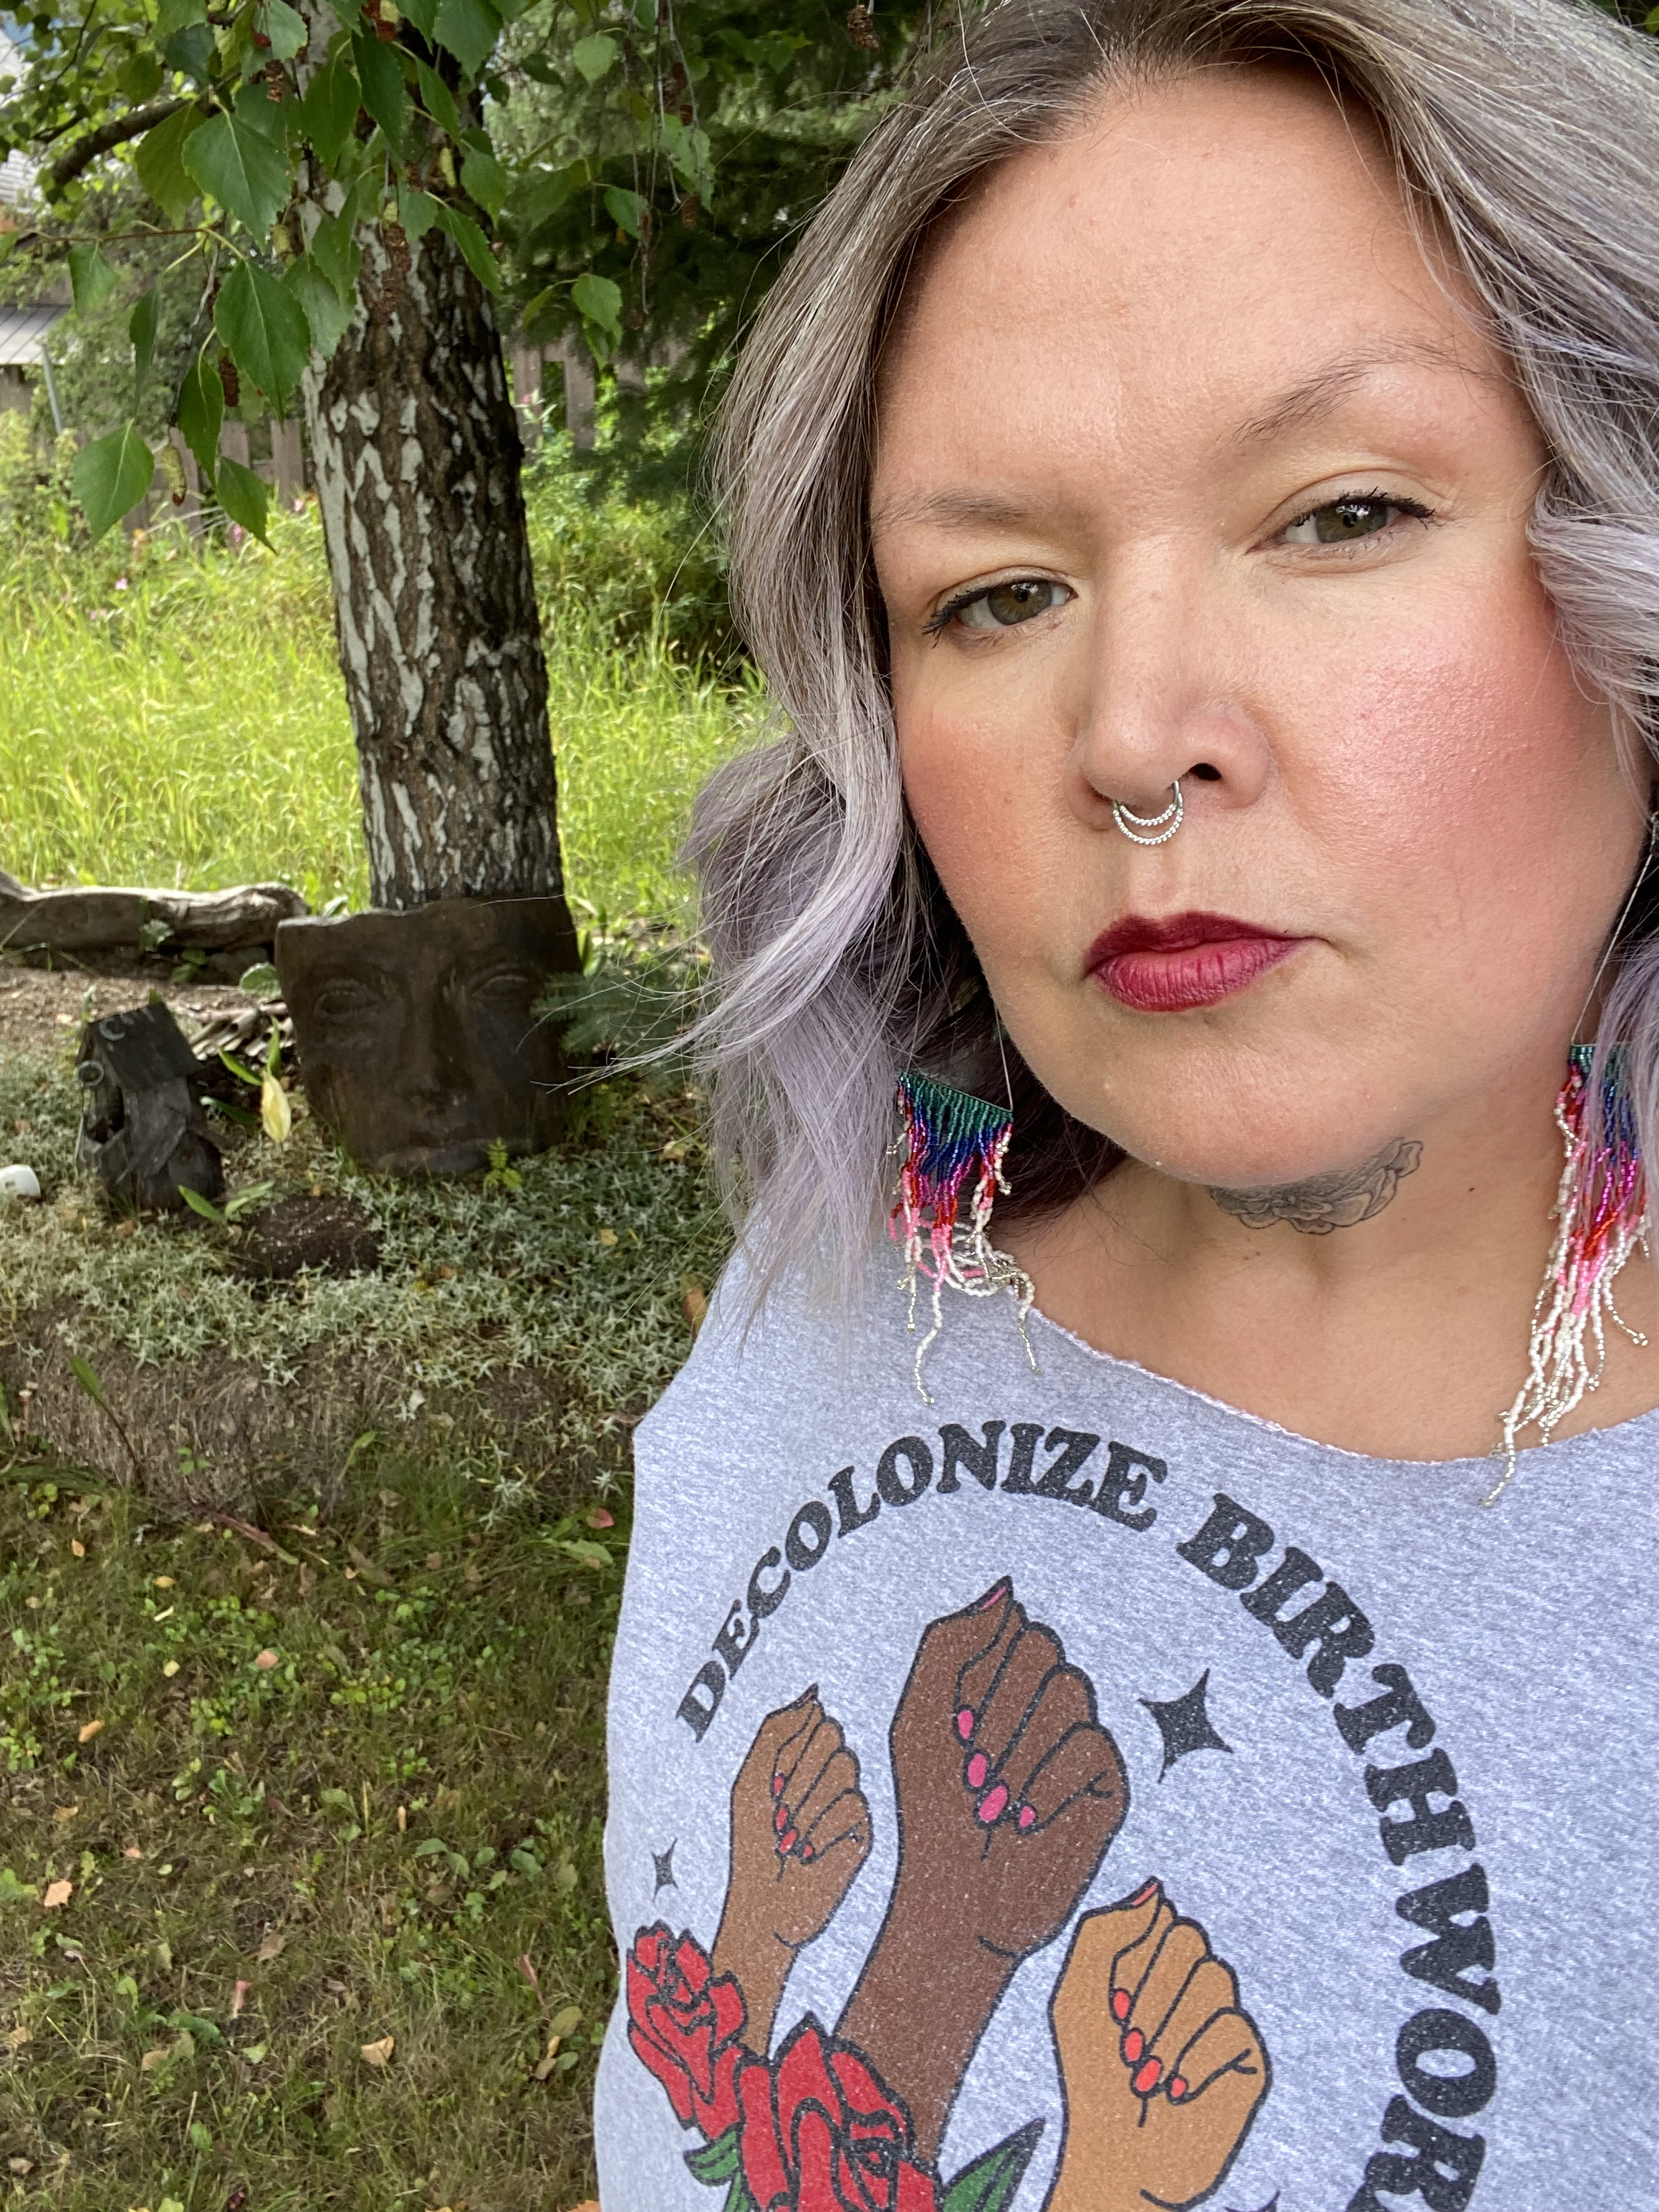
[{"x": 95, "y": 920}]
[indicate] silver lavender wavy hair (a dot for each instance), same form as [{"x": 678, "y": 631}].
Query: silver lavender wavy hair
[{"x": 1526, "y": 134}]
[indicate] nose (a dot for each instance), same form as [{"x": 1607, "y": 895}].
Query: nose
[{"x": 1164, "y": 695}]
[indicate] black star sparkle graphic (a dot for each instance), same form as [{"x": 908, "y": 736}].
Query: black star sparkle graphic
[
  {"x": 1184, "y": 1724},
  {"x": 664, "y": 1863}
]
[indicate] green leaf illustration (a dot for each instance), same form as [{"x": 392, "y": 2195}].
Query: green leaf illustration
[
  {"x": 715, "y": 2161},
  {"x": 111, "y": 475},
  {"x": 469, "y": 29},
  {"x": 241, "y": 168},
  {"x": 160, "y": 166},
  {"x": 330, "y": 111},
  {"x": 244, "y": 497},
  {"x": 991, "y": 2182},
  {"x": 264, "y": 330},
  {"x": 382, "y": 80},
  {"x": 201, "y": 412}
]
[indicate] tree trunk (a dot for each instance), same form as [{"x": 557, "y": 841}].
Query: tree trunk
[{"x": 416, "y": 456}]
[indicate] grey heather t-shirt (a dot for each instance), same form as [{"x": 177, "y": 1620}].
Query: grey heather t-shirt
[{"x": 1169, "y": 1809}]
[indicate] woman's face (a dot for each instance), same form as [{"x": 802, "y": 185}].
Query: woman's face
[{"x": 1189, "y": 467}]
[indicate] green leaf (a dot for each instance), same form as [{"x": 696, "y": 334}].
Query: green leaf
[
  {"x": 260, "y": 112},
  {"x": 264, "y": 331},
  {"x": 244, "y": 497},
  {"x": 423, "y": 14},
  {"x": 161, "y": 169},
  {"x": 86, "y": 1376},
  {"x": 139, "y": 77},
  {"x": 241, "y": 168},
  {"x": 598, "y": 301},
  {"x": 141, "y": 328},
  {"x": 469, "y": 29},
  {"x": 416, "y": 211},
  {"x": 178, "y": 15},
  {"x": 475, "y": 247},
  {"x": 191, "y": 51},
  {"x": 328, "y": 315},
  {"x": 715, "y": 2161},
  {"x": 627, "y": 209},
  {"x": 240, "y": 1070},
  {"x": 488, "y": 183},
  {"x": 335, "y": 250},
  {"x": 284, "y": 26},
  {"x": 537, "y": 198},
  {"x": 330, "y": 111},
  {"x": 91, "y": 276},
  {"x": 438, "y": 100},
  {"x": 201, "y": 412},
  {"x": 204, "y": 1206},
  {"x": 260, "y": 982},
  {"x": 382, "y": 80},
  {"x": 111, "y": 475},
  {"x": 594, "y": 56},
  {"x": 991, "y": 2182}
]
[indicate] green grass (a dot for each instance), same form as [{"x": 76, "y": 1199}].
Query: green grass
[
  {"x": 344, "y": 1784},
  {"x": 175, "y": 717}
]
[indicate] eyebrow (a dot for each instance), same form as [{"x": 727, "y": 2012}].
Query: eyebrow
[
  {"x": 1302, "y": 404},
  {"x": 950, "y": 510}
]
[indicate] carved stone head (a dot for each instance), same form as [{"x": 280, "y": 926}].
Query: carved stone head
[{"x": 416, "y": 1041}]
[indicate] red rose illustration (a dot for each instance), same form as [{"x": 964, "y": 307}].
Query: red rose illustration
[
  {"x": 821, "y": 2133},
  {"x": 684, "y": 2020}
]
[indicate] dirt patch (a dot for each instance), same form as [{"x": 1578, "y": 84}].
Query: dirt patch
[
  {"x": 42, "y": 1010},
  {"x": 216, "y": 1431}
]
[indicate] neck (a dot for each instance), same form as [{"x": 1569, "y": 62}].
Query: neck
[{"x": 1384, "y": 1308}]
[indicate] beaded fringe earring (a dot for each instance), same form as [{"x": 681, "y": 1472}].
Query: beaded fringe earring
[
  {"x": 1601, "y": 1207},
  {"x": 952, "y": 1139}
]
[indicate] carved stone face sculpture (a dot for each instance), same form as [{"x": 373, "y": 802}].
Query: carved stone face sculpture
[{"x": 418, "y": 1045}]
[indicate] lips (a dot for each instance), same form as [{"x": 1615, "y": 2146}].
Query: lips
[{"x": 1185, "y": 961}]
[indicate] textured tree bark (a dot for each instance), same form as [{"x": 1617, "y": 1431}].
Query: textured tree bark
[{"x": 416, "y": 456}]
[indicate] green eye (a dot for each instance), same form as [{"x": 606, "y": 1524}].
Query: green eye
[
  {"x": 1340, "y": 522},
  {"x": 1006, "y": 605}
]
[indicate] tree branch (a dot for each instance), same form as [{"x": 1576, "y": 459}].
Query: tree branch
[{"x": 108, "y": 136}]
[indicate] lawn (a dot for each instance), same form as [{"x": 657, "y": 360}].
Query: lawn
[{"x": 300, "y": 1806}]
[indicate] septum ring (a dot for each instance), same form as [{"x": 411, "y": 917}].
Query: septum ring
[{"x": 1173, "y": 814}]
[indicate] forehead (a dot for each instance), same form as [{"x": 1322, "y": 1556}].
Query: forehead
[{"x": 1228, "y": 254}]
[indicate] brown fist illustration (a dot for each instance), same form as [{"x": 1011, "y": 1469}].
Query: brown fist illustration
[
  {"x": 1163, "y": 2073},
  {"x": 800, "y": 1831},
  {"x": 1009, "y": 1792}
]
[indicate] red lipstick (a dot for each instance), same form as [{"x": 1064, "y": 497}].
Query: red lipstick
[{"x": 1185, "y": 961}]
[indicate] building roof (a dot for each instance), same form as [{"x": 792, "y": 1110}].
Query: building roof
[{"x": 22, "y": 330}]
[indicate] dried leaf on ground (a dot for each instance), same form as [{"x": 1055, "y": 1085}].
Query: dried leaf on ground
[
  {"x": 91, "y": 1729},
  {"x": 379, "y": 2054},
  {"x": 271, "y": 1948},
  {"x": 58, "y": 1893}
]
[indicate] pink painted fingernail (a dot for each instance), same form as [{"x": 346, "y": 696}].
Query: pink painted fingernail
[
  {"x": 991, "y": 1805},
  {"x": 1148, "y": 2077},
  {"x": 807, "y": 1851},
  {"x": 1025, "y": 1818},
  {"x": 1134, "y": 2047},
  {"x": 1178, "y": 2089},
  {"x": 995, "y": 1595},
  {"x": 787, "y": 1841},
  {"x": 1120, "y": 2006},
  {"x": 965, "y": 1723},
  {"x": 781, "y": 1818},
  {"x": 1141, "y": 1896},
  {"x": 777, "y": 1785},
  {"x": 978, "y": 1767}
]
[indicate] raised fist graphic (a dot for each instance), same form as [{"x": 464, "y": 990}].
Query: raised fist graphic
[
  {"x": 1163, "y": 2071},
  {"x": 800, "y": 1831}
]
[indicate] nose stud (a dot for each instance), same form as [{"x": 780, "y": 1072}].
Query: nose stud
[{"x": 1133, "y": 824}]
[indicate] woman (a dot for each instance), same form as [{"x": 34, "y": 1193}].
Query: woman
[{"x": 1077, "y": 1739}]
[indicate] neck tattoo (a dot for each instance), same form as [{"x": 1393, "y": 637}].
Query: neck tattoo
[{"x": 1329, "y": 1201}]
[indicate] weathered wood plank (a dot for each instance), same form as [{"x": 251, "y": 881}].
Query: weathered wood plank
[{"x": 93, "y": 920}]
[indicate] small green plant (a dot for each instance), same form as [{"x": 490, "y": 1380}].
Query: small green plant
[
  {"x": 240, "y": 1202},
  {"x": 498, "y": 1177}
]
